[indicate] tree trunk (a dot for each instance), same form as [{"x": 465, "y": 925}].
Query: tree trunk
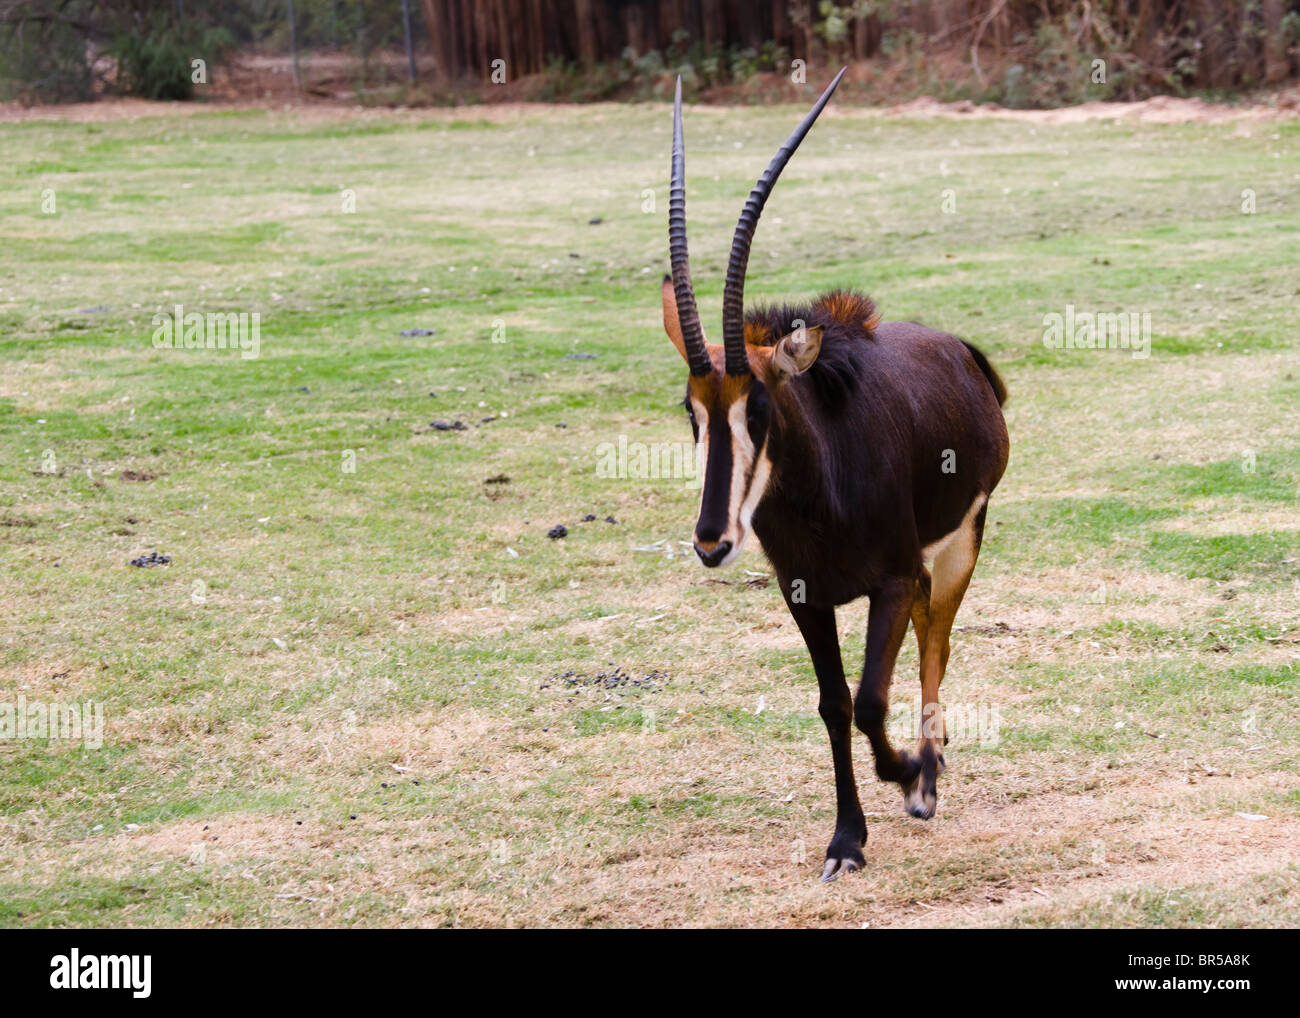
[{"x": 433, "y": 26}]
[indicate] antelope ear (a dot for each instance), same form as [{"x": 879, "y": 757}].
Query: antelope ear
[
  {"x": 795, "y": 352},
  {"x": 672, "y": 325}
]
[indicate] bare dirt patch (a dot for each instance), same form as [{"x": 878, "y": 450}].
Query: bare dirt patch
[
  {"x": 340, "y": 105},
  {"x": 1161, "y": 109},
  {"x": 1217, "y": 521}
]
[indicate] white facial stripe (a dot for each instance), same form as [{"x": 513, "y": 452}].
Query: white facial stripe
[
  {"x": 762, "y": 472},
  {"x": 702, "y": 439},
  {"x": 742, "y": 458},
  {"x": 746, "y": 465},
  {"x": 743, "y": 499}
]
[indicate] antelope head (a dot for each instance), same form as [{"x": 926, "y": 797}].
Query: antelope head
[{"x": 731, "y": 389}]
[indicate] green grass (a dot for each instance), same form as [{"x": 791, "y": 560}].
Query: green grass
[{"x": 348, "y": 593}]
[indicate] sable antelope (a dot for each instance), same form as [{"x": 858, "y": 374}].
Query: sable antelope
[{"x": 858, "y": 450}]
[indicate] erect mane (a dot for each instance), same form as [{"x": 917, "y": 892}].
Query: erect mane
[
  {"x": 848, "y": 319},
  {"x": 842, "y": 314}
]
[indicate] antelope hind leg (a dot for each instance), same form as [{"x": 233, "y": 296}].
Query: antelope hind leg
[{"x": 934, "y": 607}]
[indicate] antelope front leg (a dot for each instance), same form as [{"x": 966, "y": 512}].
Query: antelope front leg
[
  {"x": 886, "y": 627},
  {"x": 835, "y": 705}
]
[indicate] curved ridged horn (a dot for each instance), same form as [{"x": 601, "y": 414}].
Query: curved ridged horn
[
  {"x": 733, "y": 297},
  {"x": 688, "y": 315}
]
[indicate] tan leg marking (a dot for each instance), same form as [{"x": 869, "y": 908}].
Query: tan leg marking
[{"x": 954, "y": 561}]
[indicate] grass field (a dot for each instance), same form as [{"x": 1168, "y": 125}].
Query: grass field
[{"x": 368, "y": 690}]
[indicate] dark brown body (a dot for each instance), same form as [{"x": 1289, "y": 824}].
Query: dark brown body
[{"x": 859, "y": 487}]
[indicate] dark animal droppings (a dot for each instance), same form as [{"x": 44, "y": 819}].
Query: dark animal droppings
[
  {"x": 152, "y": 559},
  {"x": 560, "y": 530},
  {"x": 419, "y": 332},
  {"x": 615, "y": 679}
]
